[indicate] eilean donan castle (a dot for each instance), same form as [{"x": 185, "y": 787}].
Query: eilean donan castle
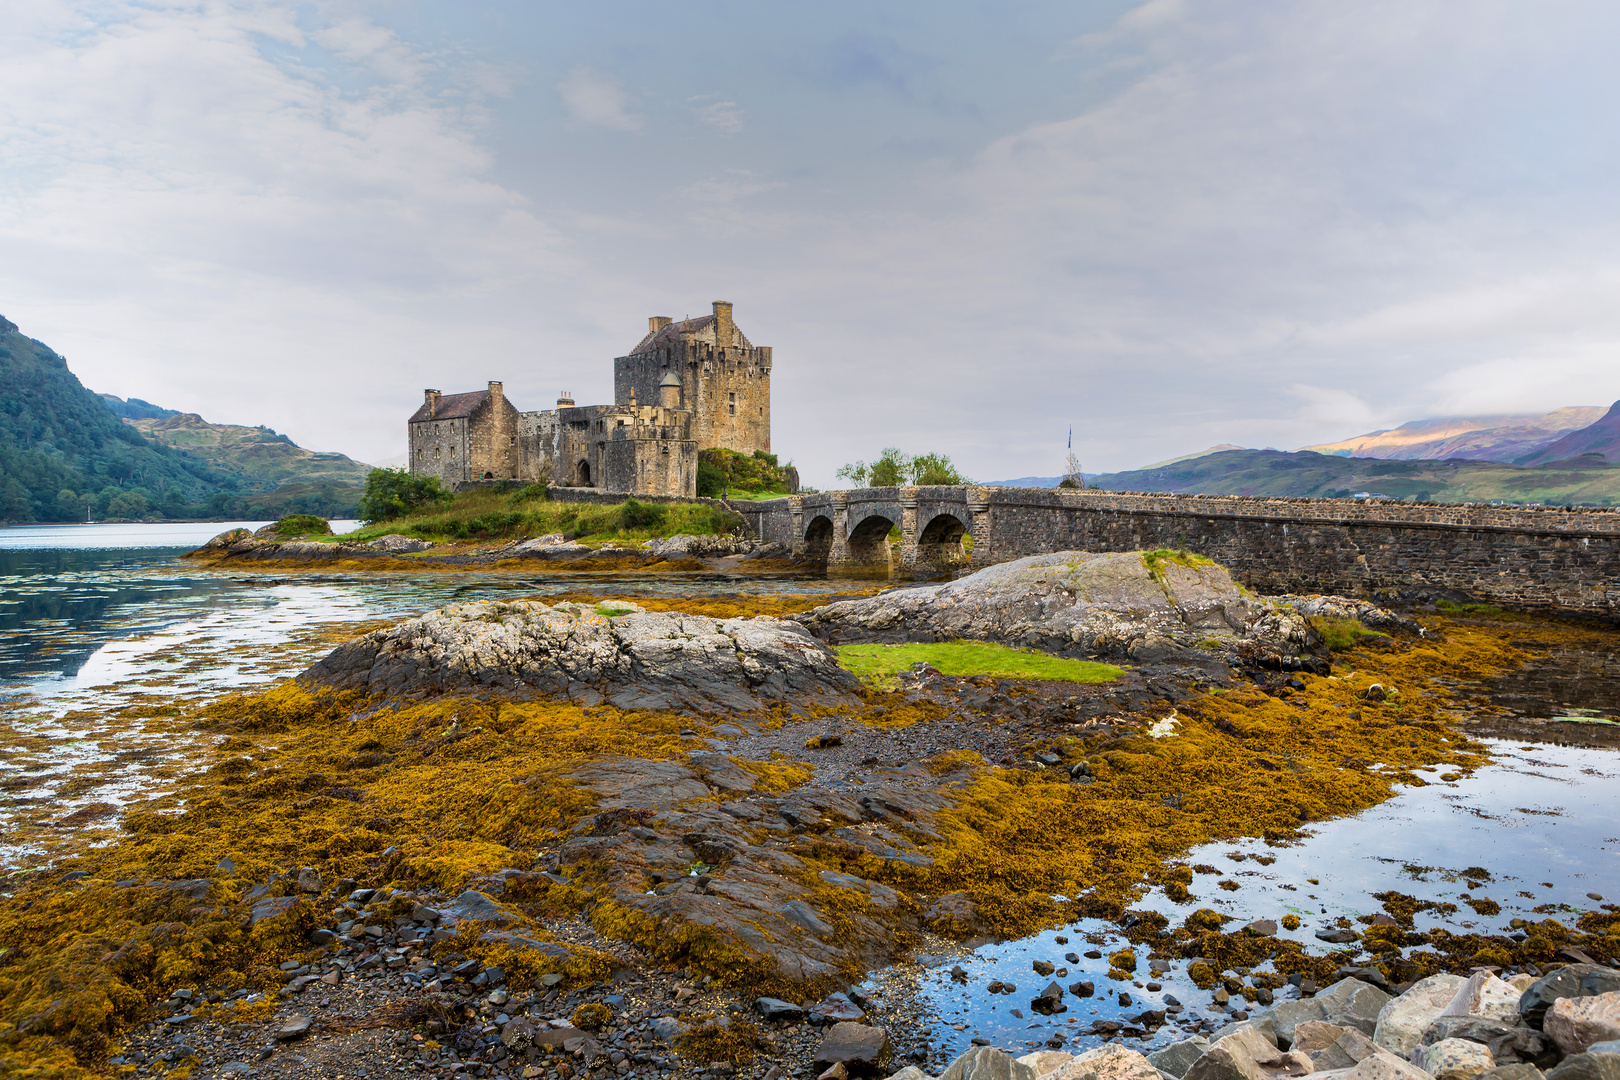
[{"x": 689, "y": 385}]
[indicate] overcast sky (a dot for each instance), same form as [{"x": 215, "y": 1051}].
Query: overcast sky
[{"x": 963, "y": 226}]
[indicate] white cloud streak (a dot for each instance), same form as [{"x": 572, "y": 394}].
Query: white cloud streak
[{"x": 596, "y": 99}]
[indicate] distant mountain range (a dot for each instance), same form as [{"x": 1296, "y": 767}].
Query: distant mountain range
[
  {"x": 1570, "y": 455},
  {"x": 1585, "y": 480},
  {"x": 1516, "y": 438},
  {"x": 67, "y": 453}
]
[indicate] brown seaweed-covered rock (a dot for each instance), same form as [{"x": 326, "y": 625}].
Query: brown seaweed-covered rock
[
  {"x": 1076, "y": 603},
  {"x": 636, "y": 660}
]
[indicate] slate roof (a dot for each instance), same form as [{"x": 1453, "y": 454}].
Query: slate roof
[
  {"x": 451, "y": 407},
  {"x": 673, "y": 332}
]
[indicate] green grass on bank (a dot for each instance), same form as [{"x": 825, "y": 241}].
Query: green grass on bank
[
  {"x": 877, "y": 664},
  {"x": 520, "y": 513}
]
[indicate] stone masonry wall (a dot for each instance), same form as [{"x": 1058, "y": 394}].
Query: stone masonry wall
[{"x": 1524, "y": 557}]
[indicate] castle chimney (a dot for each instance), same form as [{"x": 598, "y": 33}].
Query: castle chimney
[
  {"x": 722, "y": 323},
  {"x": 431, "y": 400},
  {"x": 565, "y": 400},
  {"x": 632, "y": 397},
  {"x": 495, "y": 390},
  {"x": 657, "y": 323}
]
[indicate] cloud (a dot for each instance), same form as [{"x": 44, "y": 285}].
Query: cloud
[
  {"x": 726, "y": 116},
  {"x": 197, "y": 213},
  {"x": 595, "y": 99}
]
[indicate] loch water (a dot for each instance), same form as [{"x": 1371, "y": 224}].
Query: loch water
[{"x": 102, "y": 626}]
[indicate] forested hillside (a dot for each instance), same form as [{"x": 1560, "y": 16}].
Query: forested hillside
[{"x": 64, "y": 455}]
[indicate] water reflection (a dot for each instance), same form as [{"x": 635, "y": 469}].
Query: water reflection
[{"x": 1541, "y": 819}]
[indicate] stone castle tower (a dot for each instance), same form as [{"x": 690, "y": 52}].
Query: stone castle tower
[
  {"x": 688, "y": 385},
  {"x": 725, "y": 382}
]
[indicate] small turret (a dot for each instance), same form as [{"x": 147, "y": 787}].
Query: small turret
[{"x": 669, "y": 391}]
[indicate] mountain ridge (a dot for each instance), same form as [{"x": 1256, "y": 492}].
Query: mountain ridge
[{"x": 1505, "y": 437}]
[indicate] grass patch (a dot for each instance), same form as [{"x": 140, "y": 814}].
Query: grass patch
[
  {"x": 1342, "y": 635},
  {"x": 1488, "y": 610},
  {"x": 874, "y": 664},
  {"x": 610, "y": 610},
  {"x": 520, "y": 513},
  {"x": 1154, "y": 560}
]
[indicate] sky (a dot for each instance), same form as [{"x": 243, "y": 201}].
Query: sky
[{"x": 964, "y": 227}]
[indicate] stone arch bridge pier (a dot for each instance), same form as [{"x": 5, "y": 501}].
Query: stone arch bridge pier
[{"x": 1523, "y": 557}]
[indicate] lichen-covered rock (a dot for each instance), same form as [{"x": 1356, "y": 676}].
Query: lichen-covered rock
[
  {"x": 700, "y": 547},
  {"x": 1403, "y": 1020},
  {"x": 1110, "y": 1062},
  {"x": 661, "y": 660},
  {"x": 1576, "y": 1023},
  {"x": 1573, "y": 980},
  {"x": 1455, "y": 1059},
  {"x": 1076, "y": 603}
]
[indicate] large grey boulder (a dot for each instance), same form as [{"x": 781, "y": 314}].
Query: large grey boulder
[
  {"x": 1046, "y": 1062},
  {"x": 1175, "y": 1059},
  {"x": 1577, "y": 1023},
  {"x": 1074, "y": 603},
  {"x": 1516, "y": 1071},
  {"x": 862, "y": 1050},
  {"x": 1575, "y": 980},
  {"x": 652, "y": 660},
  {"x": 1348, "y": 1050},
  {"x": 1247, "y": 1055},
  {"x": 1506, "y": 1042},
  {"x": 1587, "y": 1066},
  {"x": 1347, "y": 1003},
  {"x": 987, "y": 1063},
  {"x": 1402, "y": 1021},
  {"x": 1486, "y": 996}
]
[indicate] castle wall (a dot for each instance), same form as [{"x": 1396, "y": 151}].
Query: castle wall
[{"x": 440, "y": 448}]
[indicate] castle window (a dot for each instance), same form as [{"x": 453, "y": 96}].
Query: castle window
[{"x": 732, "y": 409}]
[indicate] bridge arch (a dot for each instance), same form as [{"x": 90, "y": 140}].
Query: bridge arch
[
  {"x": 818, "y": 540},
  {"x": 939, "y": 545},
  {"x": 868, "y": 544}
]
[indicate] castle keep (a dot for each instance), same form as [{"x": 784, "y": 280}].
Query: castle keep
[{"x": 689, "y": 385}]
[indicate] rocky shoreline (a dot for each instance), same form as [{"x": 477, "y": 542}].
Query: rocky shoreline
[
  {"x": 263, "y": 550},
  {"x": 589, "y": 839}
]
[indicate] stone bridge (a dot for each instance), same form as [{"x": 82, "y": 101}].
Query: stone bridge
[{"x": 1525, "y": 557}]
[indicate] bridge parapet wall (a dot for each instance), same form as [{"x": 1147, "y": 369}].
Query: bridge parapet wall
[{"x": 1526, "y": 557}]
